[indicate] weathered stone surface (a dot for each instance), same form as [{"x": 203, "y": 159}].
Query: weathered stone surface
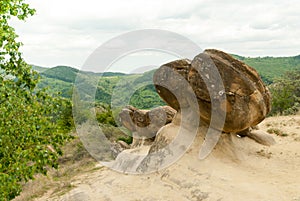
[
  {"x": 171, "y": 82},
  {"x": 213, "y": 87},
  {"x": 144, "y": 124},
  {"x": 242, "y": 94},
  {"x": 259, "y": 136},
  {"x": 116, "y": 148}
]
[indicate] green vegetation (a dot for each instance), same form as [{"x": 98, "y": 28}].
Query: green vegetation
[
  {"x": 271, "y": 68},
  {"x": 74, "y": 162},
  {"x": 61, "y": 80},
  {"x": 63, "y": 73},
  {"x": 32, "y": 123},
  {"x": 128, "y": 139},
  {"x": 104, "y": 115},
  {"x": 286, "y": 93},
  {"x": 277, "y": 131},
  {"x": 108, "y": 121}
]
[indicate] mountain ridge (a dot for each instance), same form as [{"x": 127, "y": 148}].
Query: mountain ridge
[
  {"x": 242, "y": 58},
  {"x": 60, "y": 79}
]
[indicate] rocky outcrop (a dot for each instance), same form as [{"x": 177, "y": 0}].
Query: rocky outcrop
[
  {"x": 218, "y": 99},
  {"x": 257, "y": 135},
  {"x": 144, "y": 124},
  {"x": 235, "y": 88}
]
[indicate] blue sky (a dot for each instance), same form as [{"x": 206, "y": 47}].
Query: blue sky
[{"x": 66, "y": 32}]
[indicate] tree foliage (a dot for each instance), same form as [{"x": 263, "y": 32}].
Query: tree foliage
[
  {"x": 272, "y": 67},
  {"x": 104, "y": 115},
  {"x": 286, "y": 93},
  {"x": 32, "y": 127},
  {"x": 146, "y": 98}
]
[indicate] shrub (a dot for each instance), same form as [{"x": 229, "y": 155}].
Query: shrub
[
  {"x": 286, "y": 94},
  {"x": 104, "y": 115},
  {"x": 128, "y": 139}
]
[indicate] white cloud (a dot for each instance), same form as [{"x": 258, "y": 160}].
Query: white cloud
[{"x": 66, "y": 32}]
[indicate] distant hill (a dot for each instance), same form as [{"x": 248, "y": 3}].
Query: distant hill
[
  {"x": 64, "y": 73},
  {"x": 271, "y": 67},
  {"x": 60, "y": 79},
  {"x": 39, "y": 68}
]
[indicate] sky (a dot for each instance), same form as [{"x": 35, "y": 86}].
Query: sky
[{"x": 67, "y": 32}]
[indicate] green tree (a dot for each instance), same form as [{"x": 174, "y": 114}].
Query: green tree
[
  {"x": 31, "y": 126},
  {"x": 105, "y": 115},
  {"x": 286, "y": 93},
  {"x": 146, "y": 98}
]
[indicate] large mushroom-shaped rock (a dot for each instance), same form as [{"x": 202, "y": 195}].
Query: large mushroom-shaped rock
[
  {"x": 144, "y": 124},
  {"x": 242, "y": 95}
]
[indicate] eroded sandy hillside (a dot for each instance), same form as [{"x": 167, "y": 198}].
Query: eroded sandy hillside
[{"x": 248, "y": 172}]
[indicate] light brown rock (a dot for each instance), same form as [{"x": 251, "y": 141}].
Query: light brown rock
[
  {"x": 244, "y": 96},
  {"x": 144, "y": 124}
]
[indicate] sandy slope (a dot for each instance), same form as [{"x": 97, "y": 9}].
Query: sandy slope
[{"x": 248, "y": 172}]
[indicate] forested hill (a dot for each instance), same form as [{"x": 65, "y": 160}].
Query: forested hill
[
  {"x": 268, "y": 67},
  {"x": 271, "y": 67},
  {"x": 61, "y": 79}
]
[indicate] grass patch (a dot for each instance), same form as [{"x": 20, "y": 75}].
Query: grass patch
[
  {"x": 128, "y": 139},
  {"x": 277, "y": 132}
]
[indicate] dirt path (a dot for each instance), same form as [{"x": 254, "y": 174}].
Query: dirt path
[{"x": 256, "y": 172}]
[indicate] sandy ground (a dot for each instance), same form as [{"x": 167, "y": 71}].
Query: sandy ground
[{"x": 251, "y": 172}]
